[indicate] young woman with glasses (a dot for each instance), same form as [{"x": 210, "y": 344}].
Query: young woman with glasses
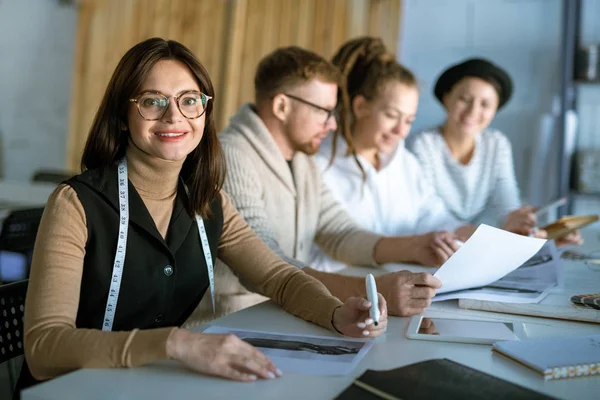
[{"x": 125, "y": 250}]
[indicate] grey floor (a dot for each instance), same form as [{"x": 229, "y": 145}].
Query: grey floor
[{"x": 5, "y": 392}]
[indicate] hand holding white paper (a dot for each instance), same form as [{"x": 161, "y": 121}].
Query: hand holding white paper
[{"x": 488, "y": 255}]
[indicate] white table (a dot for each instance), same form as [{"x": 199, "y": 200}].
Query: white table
[
  {"x": 166, "y": 380},
  {"x": 15, "y": 194}
]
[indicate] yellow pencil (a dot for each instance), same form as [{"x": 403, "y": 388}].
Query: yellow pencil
[{"x": 375, "y": 391}]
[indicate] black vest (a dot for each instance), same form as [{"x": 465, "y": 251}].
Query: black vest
[{"x": 162, "y": 281}]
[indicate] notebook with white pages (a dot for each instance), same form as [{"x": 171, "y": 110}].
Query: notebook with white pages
[{"x": 556, "y": 358}]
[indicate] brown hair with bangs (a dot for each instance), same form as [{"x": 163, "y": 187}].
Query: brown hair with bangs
[
  {"x": 288, "y": 67},
  {"x": 366, "y": 67},
  {"x": 492, "y": 81},
  {"x": 203, "y": 170}
]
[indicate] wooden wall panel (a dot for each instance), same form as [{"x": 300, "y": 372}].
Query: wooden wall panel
[
  {"x": 306, "y": 23},
  {"x": 228, "y": 36},
  {"x": 252, "y": 45},
  {"x": 392, "y": 37},
  {"x": 357, "y": 21},
  {"x": 75, "y": 137},
  {"x": 289, "y": 22},
  {"x": 339, "y": 24},
  {"x": 232, "y": 60}
]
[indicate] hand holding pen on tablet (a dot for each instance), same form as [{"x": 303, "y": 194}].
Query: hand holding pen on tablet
[
  {"x": 543, "y": 211},
  {"x": 572, "y": 238},
  {"x": 524, "y": 220}
]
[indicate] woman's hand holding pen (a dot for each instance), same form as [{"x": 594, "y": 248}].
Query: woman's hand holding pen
[
  {"x": 224, "y": 356},
  {"x": 521, "y": 221},
  {"x": 352, "y": 319}
]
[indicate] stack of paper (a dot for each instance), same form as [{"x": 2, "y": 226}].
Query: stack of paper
[{"x": 490, "y": 255}]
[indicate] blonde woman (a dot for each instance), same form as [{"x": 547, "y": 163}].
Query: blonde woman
[{"x": 365, "y": 164}]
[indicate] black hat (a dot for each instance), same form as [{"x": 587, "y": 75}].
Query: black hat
[{"x": 478, "y": 68}]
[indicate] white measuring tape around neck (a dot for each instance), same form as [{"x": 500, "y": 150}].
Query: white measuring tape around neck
[{"x": 117, "y": 272}]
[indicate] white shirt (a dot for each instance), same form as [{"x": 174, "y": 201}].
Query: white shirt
[
  {"x": 395, "y": 201},
  {"x": 484, "y": 190}
]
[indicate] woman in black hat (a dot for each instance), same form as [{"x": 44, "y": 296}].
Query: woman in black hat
[{"x": 469, "y": 163}]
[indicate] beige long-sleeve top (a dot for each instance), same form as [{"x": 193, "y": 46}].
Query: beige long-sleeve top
[{"x": 53, "y": 343}]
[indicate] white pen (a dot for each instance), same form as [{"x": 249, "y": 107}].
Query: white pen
[
  {"x": 551, "y": 207},
  {"x": 372, "y": 297},
  {"x": 459, "y": 243}
]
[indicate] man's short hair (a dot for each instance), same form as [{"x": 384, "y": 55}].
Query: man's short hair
[{"x": 288, "y": 67}]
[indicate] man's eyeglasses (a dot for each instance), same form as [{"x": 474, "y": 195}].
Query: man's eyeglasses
[
  {"x": 330, "y": 112},
  {"x": 153, "y": 105}
]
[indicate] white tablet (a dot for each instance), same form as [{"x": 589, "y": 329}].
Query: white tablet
[{"x": 464, "y": 330}]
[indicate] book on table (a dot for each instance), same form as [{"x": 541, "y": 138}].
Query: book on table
[{"x": 570, "y": 357}]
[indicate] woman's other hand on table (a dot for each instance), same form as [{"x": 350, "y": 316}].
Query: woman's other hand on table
[{"x": 224, "y": 356}]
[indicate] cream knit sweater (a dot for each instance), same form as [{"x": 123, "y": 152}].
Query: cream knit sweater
[
  {"x": 483, "y": 191},
  {"x": 289, "y": 210}
]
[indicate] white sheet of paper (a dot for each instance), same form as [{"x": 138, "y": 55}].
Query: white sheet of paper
[
  {"x": 301, "y": 354},
  {"x": 530, "y": 283},
  {"x": 488, "y": 255}
]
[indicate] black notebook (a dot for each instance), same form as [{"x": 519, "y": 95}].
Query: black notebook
[{"x": 435, "y": 379}]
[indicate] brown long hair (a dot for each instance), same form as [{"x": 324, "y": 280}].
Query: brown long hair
[
  {"x": 366, "y": 67},
  {"x": 203, "y": 170}
]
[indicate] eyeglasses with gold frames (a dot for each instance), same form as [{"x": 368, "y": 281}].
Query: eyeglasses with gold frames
[{"x": 152, "y": 105}]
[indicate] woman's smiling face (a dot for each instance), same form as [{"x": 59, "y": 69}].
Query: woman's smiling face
[
  {"x": 471, "y": 105},
  {"x": 172, "y": 137}
]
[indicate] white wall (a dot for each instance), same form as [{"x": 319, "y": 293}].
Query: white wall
[
  {"x": 522, "y": 36},
  {"x": 36, "y": 57},
  {"x": 588, "y": 95}
]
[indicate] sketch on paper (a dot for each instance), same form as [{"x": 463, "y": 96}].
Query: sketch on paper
[{"x": 315, "y": 355}]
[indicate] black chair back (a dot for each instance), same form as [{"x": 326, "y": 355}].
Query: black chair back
[
  {"x": 51, "y": 176},
  {"x": 18, "y": 234},
  {"x": 19, "y": 230},
  {"x": 12, "y": 308}
]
